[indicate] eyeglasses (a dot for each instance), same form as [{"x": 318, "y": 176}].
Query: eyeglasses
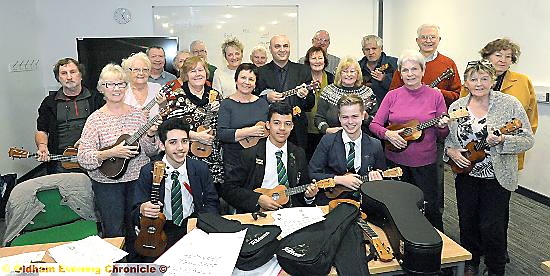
[
  {"x": 139, "y": 70},
  {"x": 428, "y": 37},
  {"x": 482, "y": 62},
  {"x": 196, "y": 52},
  {"x": 112, "y": 85}
]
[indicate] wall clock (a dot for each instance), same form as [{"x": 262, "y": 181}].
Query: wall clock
[{"x": 122, "y": 15}]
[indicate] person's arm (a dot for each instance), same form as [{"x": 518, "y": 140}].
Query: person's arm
[
  {"x": 451, "y": 92},
  {"x": 441, "y": 109},
  {"x": 396, "y": 81},
  {"x": 320, "y": 158},
  {"x": 521, "y": 142},
  {"x": 41, "y": 140},
  {"x": 377, "y": 126},
  {"x": 209, "y": 195}
]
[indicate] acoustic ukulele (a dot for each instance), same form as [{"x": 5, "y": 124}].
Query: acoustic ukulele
[
  {"x": 251, "y": 141},
  {"x": 476, "y": 149},
  {"x": 339, "y": 189},
  {"x": 151, "y": 240},
  {"x": 200, "y": 149},
  {"x": 383, "y": 252},
  {"x": 115, "y": 167},
  {"x": 413, "y": 129},
  {"x": 367, "y": 80},
  {"x": 281, "y": 193},
  {"x": 68, "y": 158},
  {"x": 447, "y": 74}
]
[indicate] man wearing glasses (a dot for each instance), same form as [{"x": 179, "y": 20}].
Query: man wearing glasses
[
  {"x": 198, "y": 48},
  {"x": 62, "y": 114},
  {"x": 321, "y": 39}
]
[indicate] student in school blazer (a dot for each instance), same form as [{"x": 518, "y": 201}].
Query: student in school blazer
[{"x": 248, "y": 174}]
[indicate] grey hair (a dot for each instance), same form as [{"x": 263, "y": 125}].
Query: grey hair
[
  {"x": 411, "y": 55},
  {"x": 425, "y": 26},
  {"x": 378, "y": 40}
]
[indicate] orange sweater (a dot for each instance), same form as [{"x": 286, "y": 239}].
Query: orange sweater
[{"x": 450, "y": 88}]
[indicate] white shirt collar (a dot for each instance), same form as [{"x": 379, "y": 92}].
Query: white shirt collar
[
  {"x": 346, "y": 138},
  {"x": 271, "y": 148},
  {"x": 431, "y": 57}
]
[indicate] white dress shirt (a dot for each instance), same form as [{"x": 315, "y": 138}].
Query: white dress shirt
[
  {"x": 270, "y": 176},
  {"x": 357, "y": 160},
  {"x": 187, "y": 198}
]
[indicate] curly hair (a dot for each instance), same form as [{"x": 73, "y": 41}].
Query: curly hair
[{"x": 499, "y": 45}]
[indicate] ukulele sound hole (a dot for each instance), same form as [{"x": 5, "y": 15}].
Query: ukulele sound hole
[
  {"x": 151, "y": 229},
  {"x": 407, "y": 132},
  {"x": 275, "y": 196}
]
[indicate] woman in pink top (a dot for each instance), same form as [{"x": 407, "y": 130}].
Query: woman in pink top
[
  {"x": 113, "y": 197},
  {"x": 414, "y": 101}
]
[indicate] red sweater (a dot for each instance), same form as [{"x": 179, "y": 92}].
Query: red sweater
[{"x": 450, "y": 88}]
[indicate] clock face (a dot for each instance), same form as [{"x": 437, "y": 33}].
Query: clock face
[{"x": 122, "y": 15}]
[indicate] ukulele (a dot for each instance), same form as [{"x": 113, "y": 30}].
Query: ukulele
[
  {"x": 68, "y": 158},
  {"x": 476, "y": 149},
  {"x": 339, "y": 189},
  {"x": 200, "y": 149},
  {"x": 383, "y": 252},
  {"x": 151, "y": 240},
  {"x": 281, "y": 193},
  {"x": 413, "y": 129},
  {"x": 447, "y": 74},
  {"x": 251, "y": 141},
  {"x": 115, "y": 167}
]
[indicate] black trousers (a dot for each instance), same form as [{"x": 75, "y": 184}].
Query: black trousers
[
  {"x": 425, "y": 178},
  {"x": 483, "y": 210}
]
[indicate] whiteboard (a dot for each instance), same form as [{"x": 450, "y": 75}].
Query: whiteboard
[{"x": 252, "y": 25}]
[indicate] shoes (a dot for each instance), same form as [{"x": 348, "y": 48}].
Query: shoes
[{"x": 470, "y": 270}]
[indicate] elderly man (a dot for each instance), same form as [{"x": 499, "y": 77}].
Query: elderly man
[
  {"x": 258, "y": 56},
  {"x": 158, "y": 59},
  {"x": 377, "y": 68},
  {"x": 62, "y": 114},
  {"x": 198, "y": 48},
  {"x": 321, "y": 39},
  {"x": 281, "y": 75}
]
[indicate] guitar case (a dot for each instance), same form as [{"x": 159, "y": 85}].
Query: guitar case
[{"x": 395, "y": 207}]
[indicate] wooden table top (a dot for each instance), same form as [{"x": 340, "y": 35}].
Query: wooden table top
[
  {"x": 451, "y": 252},
  {"x": 545, "y": 266}
]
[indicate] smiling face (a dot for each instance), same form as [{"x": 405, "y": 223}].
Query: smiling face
[
  {"x": 113, "y": 88},
  {"x": 351, "y": 119},
  {"x": 157, "y": 58},
  {"x": 176, "y": 147},
  {"x": 246, "y": 82},
  {"x": 411, "y": 74},
  {"x": 279, "y": 127},
  {"x": 428, "y": 40},
  {"x": 317, "y": 61},
  {"x": 502, "y": 60},
  {"x": 139, "y": 72},
  {"x": 197, "y": 75},
  {"x": 349, "y": 76},
  {"x": 234, "y": 57},
  {"x": 279, "y": 46},
  {"x": 180, "y": 58},
  {"x": 70, "y": 77},
  {"x": 479, "y": 83}
]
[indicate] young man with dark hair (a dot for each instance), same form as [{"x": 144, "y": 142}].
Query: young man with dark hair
[
  {"x": 187, "y": 189},
  {"x": 349, "y": 153},
  {"x": 273, "y": 161}
]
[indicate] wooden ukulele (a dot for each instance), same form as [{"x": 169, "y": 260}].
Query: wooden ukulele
[
  {"x": 413, "y": 129},
  {"x": 383, "y": 252},
  {"x": 339, "y": 189},
  {"x": 281, "y": 193},
  {"x": 251, "y": 141},
  {"x": 151, "y": 240},
  {"x": 447, "y": 74},
  {"x": 200, "y": 149},
  {"x": 476, "y": 149},
  {"x": 311, "y": 86},
  {"x": 68, "y": 158},
  {"x": 115, "y": 167}
]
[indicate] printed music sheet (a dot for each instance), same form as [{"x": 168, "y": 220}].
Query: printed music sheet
[
  {"x": 91, "y": 250},
  {"x": 293, "y": 219}
]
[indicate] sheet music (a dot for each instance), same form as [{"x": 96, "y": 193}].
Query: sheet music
[
  {"x": 23, "y": 258},
  {"x": 91, "y": 250},
  {"x": 199, "y": 253},
  {"x": 293, "y": 219}
]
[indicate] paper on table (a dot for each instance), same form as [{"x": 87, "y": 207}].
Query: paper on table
[
  {"x": 23, "y": 258},
  {"x": 199, "y": 253},
  {"x": 294, "y": 219},
  {"x": 91, "y": 250}
]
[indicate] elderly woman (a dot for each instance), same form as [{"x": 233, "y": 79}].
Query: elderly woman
[
  {"x": 348, "y": 80},
  {"x": 316, "y": 59},
  {"x": 178, "y": 61},
  {"x": 503, "y": 53},
  {"x": 414, "y": 101},
  {"x": 191, "y": 102},
  {"x": 239, "y": 113},
  {"x": 483, "y": 194},
  {"x": 140, "y": 92},
  {"x": 258, "y": 56},
  {"x": 224, "y": 78},
  {"x": 113, "y": 197}
]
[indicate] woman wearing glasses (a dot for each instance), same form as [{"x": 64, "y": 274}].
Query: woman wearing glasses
[
  {"x": 483, "y": 194},
  {"x": 348, "y": 80},
  {"x": 194, "y": 102},
  {"x": 113, "y": 197},
  {"x": 414, "y": 101},
  {"x": 140, "y": 92}
]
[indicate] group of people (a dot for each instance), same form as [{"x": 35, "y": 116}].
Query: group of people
[{"x": 225, "y": 131}]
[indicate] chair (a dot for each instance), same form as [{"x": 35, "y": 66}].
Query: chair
[{"x": 51, "y": 208}]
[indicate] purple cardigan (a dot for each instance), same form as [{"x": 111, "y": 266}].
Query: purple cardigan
[{"x": 402, "y": 105}]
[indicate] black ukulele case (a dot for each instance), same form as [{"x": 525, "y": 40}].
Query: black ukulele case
[{"x": 395, "y": 206}]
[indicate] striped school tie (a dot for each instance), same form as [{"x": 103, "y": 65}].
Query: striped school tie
[
  {"x": 351, "y": 157},
  {"x": 177, "y": 207},
  {"x": 282, "y": 177}
]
